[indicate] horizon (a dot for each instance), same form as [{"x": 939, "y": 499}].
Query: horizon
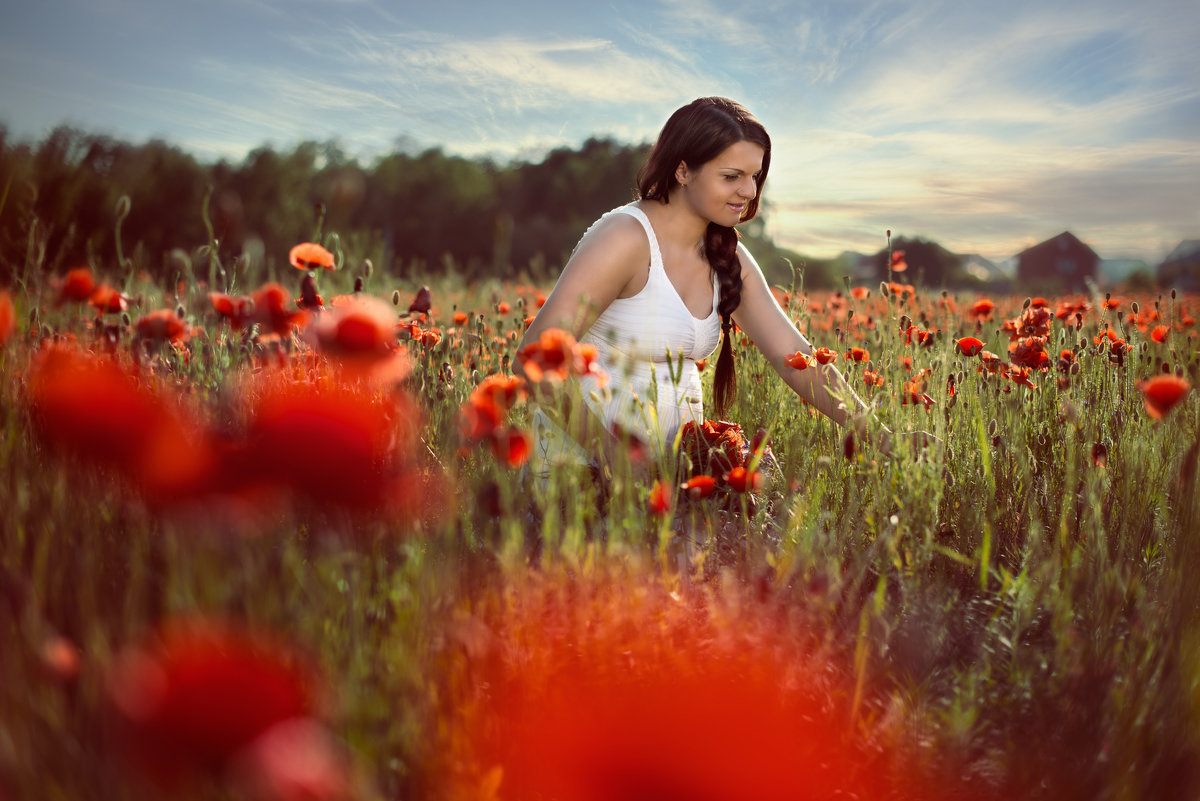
[{"x": 986, "y": 130}]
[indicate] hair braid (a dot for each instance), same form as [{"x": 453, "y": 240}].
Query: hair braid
[{"x": 720, "y": 247}]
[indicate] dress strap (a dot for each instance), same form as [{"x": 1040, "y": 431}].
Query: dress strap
[{"x": 640, "y": 216}]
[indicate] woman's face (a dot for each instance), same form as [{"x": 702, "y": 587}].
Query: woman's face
[{"x": 720, "y": 190}]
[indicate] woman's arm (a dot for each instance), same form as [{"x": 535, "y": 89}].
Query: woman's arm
[
  {"x": 613, "y": 256},
  {"x": 775, "y": 335}
]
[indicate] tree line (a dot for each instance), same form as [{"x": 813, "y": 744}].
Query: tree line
[{"x": 81, "y": 198}]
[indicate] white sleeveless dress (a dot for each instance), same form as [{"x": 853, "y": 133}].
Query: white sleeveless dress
[{"x": 649, "y": 393}]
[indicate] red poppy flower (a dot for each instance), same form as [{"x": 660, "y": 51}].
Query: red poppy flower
[
  {"x": 311, "y": 256},
  {"x": 1162, "y": 393},
  {"x": 8, "y": 317},
  {"x": 969, "y": 346},
  {"x": 337, "y": 445},
  {"x": 77, "y": 286},
  {"x": 1029, "y": 352},
  {"x": 187, "y": 702},
  {"x": 824, "y": 355},
  {"x": 740, "y": 479},
  {"x": 981, "y": 308},
  {"x": 699, "y": 486},
  {"x": 618, "y": 717},
  {"x": 460, "y": 318},
  {"x": 1159, "y": 334},
  {"x": 359, "y": 327},
  {"x": 91, "y": 408},
  {"x": 872, "y": 378},
  {"x": 798, "y": 360},
  {"x": 856, "y": 354},
  {"x": 270, "y": 309},
  {"x": 511, "y": 446},
  {"x": 503, "y": 307},
  {"x": 899, "y": 265},
  {"x": 1038, "y": 303},
  {"x": 1020, "y": 375},
  {"x": 860, "y": 293},
  {"x": 555, "y": 356},
  {"x": 163, "y": 324},
  {"x": 107, "y": 300},
  {"x": 661, "y": 499}
]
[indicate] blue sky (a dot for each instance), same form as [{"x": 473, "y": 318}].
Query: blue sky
[{"x": 987, "y": 126}]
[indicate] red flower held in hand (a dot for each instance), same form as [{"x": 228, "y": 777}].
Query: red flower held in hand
[
  {"x": 1163, "y": 393},
  {"x": 969, "y": 346}
]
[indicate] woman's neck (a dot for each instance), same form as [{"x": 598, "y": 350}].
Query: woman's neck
[{"x": 676, "y": 223}]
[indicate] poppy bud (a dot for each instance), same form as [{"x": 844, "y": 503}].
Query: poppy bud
[
  {"x": 883, "y": 289},
  {"x": 396, "y": 298},
  {"x": 1172, "y": 293},
  {"x": 358, "y": 285},
  {"x": 1027, "y": 302},
  {"x": 848, "y": 446},
  {"x": 996, "y": 441},
  {"x": 1136, "y": 309},
  {"x": 368, "y": 268},
  {"x": 889, "y": 233},
  {"x": 991, "y": 429},
  {"x": 179, "y": 311},
  {"x": 123, "y": 206}
]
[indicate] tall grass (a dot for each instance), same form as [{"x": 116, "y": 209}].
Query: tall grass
[{"x": 1012, "y": 619}]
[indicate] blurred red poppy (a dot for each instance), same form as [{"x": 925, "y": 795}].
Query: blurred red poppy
[
  {"x": 1162, "y": 393},
  {"x": 270, "y": 309},
  {"x": 856, "y": 354},
  {"x": 89, "y": 407},
  {"x": 899, "y": 265},
  {"x": 740, "y": 479},
  {"x": 798, "y": 360},
  {"x": 824, "y": 355},
  {"x": 162, "y": 324},
  {"x": 311, "y": 256},
  {"x": 688, "y": 707},
  {"x": 1029, "y": 352},
  {"x": 981, "y": 308},
  {"x": 859, "y": 293},
  {"x": 460, "y": 318},
  {"x": 699, "y": 486},
  {"x": 8, "y": 317},
  {"x": 1159, "y": 334},
  {"x": 556, "y": 355},
  {"x": 511, "y": 446},
  {"x": 77, "y": 286},
  {"x": 503, "y": 308},
  {"x": 107, "y": 300},
  {"x": 236, "y": 310},
  {"x": 872, "y": 378},
  {"x": 661, "y": 499},
  {"x": 336, "y": 445},
  {"x": 969, "y": 346},
  {"x": 187, "y": 702}
]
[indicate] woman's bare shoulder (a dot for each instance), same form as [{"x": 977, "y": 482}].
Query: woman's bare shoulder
[{"x": 615, "y": 242}]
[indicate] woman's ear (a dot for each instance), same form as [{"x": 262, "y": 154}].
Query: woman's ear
[{"x": 681, "y": 173}]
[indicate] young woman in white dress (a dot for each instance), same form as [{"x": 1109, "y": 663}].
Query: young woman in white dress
[{"x": 666, "y": 277}]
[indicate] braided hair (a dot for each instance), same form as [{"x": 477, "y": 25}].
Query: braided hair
[{"x": 694, "y": 135}]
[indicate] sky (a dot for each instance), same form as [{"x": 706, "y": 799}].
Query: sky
[{"x": 985, "y": 126}]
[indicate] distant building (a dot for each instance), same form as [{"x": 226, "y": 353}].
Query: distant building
[
  {"x": 1062, "y": 260},
  {"x": 1181, "y": 268}
]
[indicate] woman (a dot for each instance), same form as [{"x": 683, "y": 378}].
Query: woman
[{"x": 666, "y": 276}]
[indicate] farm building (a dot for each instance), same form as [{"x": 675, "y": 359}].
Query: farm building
[{"x": 1062, "y": 260}]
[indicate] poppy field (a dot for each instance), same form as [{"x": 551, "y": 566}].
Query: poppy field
[{"x": 271, "y": 534}]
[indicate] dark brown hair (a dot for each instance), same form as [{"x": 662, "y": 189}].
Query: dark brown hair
[{"x": 695, "y": 135}]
